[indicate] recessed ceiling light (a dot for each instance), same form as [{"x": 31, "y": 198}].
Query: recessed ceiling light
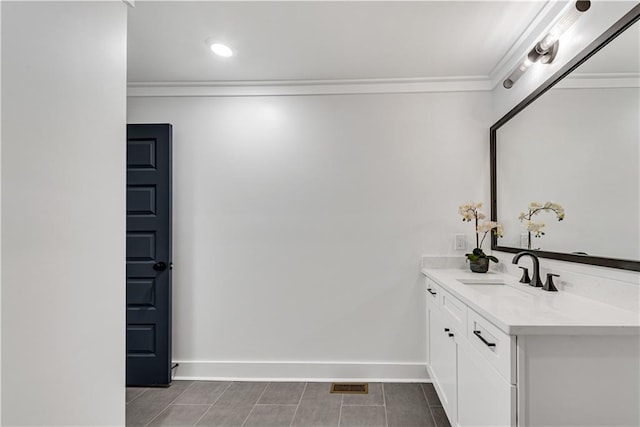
[{"x": 220, "y": 49}]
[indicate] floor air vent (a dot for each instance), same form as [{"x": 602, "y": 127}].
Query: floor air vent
[{"x": 350, "y": 388}]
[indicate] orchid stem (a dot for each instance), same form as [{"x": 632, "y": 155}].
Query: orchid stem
[{"x": 477, "y": 238}]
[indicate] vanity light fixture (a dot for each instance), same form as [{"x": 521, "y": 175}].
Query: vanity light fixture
[{"x": 546, "y": 49}]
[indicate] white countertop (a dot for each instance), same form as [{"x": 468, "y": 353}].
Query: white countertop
[{"x": 519, "y": 309}]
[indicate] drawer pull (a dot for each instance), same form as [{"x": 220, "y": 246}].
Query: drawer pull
[
  {"x": 447, "y": 329},
  {"x": 487, "y": 343},
  {"x": 431, "y": 291},
  {"x": 450, "y": 334}
]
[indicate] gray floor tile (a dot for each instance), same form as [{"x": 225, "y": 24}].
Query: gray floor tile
[
  {"x": 320, "y": 394},
  {"x": 373, "y": 398},
  {"x": 440, "y": 416},
  {"x": 235, "y": 404},
  {"x": 241, "y": 394},
  {"x": 153, "y": 401},
  {"x": 318, "y": 407},
  {"x": 282, "y": 394},
  {"x": 271, "y": 415},
  {"x": 140, "y": 415},
  {"x": 431, "y": 395},
  {"x": 134, "y": 392},
  {"x": 317, "y": 415},
  {"x": 366, "y": 416},
  {"x": 180, "y": 415},
  {"x": 186, "y": 402},
  {"x": 400, "y": 393},
  {"x": 163, "y": 394},
  {"x": 225, "y": 417},
  {"x": 407, "y": 406},
  {"x": 202, "y": 393}
]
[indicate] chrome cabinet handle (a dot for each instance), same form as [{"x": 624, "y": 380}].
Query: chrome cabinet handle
[{"x": 487, "y": 343}]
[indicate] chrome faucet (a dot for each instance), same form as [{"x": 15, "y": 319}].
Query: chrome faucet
[{"x": 535, "y": 280}]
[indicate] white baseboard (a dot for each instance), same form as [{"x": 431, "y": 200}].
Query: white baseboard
[{"x": 301, "y": 371}]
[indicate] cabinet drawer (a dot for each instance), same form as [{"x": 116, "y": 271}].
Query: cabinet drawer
[
  {"x": 498, "y": 348},
  {"x": 455, "y": 310}
]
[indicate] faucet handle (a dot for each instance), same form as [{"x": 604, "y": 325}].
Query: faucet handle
[
  {"x": 525, "y": 275},
  {"x": 548, "y": 285}
]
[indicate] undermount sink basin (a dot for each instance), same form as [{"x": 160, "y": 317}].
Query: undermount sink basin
[{"x": 492, "y": 282}]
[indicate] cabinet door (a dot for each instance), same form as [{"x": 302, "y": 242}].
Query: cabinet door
[
  {"x": 484, "y": 397},
  {"x": 443, "y": 363},
  {"x": 428, "y": 340}
]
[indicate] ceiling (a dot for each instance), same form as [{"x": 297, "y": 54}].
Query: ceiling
[
  {"x": 622, "y": 55},
  {"x": 277, "y": 41}
]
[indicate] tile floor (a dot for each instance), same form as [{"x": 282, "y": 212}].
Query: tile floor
[{"x": 204, "y": 403}]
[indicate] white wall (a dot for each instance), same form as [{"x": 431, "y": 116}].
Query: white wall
[
  {"x": 0, "y": 217},
  {"x": 63, "y": 207},
  {"x": 299, "y": 223}
]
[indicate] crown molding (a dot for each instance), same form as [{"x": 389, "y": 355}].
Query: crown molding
[
  {"x": 540, "y": 25},
  {"x": 308, "y": 87},
  {"x": 353, "y": 87},
  {"x": 599, "y": 81}
]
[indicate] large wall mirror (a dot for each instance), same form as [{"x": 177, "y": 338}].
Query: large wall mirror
[{"x": 575, "y": 141}]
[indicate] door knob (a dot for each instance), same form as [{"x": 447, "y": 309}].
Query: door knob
[{"x": 160, "y": 266}]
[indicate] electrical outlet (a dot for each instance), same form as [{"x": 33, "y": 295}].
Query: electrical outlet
[
  {"x": 524, "y": 240},
  {"x": 460, "y": 242}
]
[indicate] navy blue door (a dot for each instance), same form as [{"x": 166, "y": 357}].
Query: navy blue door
[{"x": 149, "y": 254}]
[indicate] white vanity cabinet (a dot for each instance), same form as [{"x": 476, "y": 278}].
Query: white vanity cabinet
[
  {"x": 472, "y": 391},
  {"x": 484, "y": 398},
  {"x": 542, "y": 359}
]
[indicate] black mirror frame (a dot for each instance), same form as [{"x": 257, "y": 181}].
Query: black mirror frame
[{"x": 614, "y": 31}]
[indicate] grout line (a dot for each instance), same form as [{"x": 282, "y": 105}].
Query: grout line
[
  {"x": 384, "y": 405},
  {"x": 276, "y": 404},
  {"x": 367, "y": 404},
  {"x": 214, "y": 402},
  {"x": 255, "y": 404},
  {"x": 340, "y": 414},
  {"x": 137, "y": 396},
  {"x": 167, "y": 407},
  {"x": 189, "y": 404},
  {"x": 298, "y": 405},
  {"x": 428, "y": 405}
]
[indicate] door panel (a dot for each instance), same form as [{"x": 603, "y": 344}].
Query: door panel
[
  {"x": 443, "y": 360},
  {"x": 485, "y": 398},
  {"x": 148, "y": 245}
]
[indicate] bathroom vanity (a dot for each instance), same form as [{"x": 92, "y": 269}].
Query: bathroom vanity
[{"x": 502, "y": 353}]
